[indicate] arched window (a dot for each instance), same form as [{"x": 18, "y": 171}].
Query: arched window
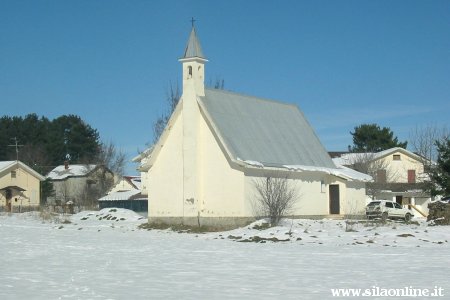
[{"x": 189, "y": 71}]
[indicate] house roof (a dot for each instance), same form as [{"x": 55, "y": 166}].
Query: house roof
[
  {"x": 346, "y": 159},
  {"x": 193, "y": 48},
  {"x": 398, "y": 149},
  {"x": 13, "y": 187},
  {"x": 262, "y": 131},
  {"x": 60, "y": 172},
  {"x": 6, "y": 166},
  {"x": 134, "y": 181},
  {"x": 122, "y": 195}
]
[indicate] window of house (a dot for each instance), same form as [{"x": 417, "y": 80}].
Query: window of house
[
  {"x": 411, "y": 176},
  {"x": 13, "y": 174},
  {"x": 396, "y": 157},
  {"x": 322, "y": 186}
]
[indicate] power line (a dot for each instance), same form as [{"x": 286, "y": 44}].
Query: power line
[{"x": 16, "y": 144}]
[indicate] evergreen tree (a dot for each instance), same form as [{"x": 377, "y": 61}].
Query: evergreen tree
[
  {"x": 45, "y": 143},
  {"x": 373, "y": 138},
  {"x": 440, "y": 174}
]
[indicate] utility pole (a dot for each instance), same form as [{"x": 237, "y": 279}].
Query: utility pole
[{"x": 16, "y": 144}]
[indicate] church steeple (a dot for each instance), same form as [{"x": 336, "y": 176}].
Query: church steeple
[
  {"x": 193, "y": 61},
  {"x": 193, "y": 48}
]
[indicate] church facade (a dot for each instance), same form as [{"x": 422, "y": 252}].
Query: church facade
[{"x": 217, "y": 144}]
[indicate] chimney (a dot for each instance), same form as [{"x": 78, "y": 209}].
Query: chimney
[{"x": 66, "y": 164}]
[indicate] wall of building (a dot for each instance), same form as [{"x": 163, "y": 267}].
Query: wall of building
[
  {"x": 221, "y": 184},
  {"x": 165, "y": 178},
  {"x": 78, "y": 189},
  {"x": 30, "y": 198},
  {"x": 312, "y": 189},
  {"x": 70, "y": 189},
  {"x": 397, "y": 170}
]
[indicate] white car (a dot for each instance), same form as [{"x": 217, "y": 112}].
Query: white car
[{"x": 386, "y": 209}]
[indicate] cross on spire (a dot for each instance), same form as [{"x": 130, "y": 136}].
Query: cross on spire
[{"x": 193, "y": 21}]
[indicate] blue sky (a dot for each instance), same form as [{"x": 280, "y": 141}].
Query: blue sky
[{"x": 343, "y": 63}]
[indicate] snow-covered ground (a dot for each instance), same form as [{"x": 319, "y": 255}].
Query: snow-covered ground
[{"x": 102, "y": 255}]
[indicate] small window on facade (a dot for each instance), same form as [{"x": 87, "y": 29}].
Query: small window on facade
[
  {"x": 189, "y": 71},
  {"x": 322, "y": 186},
  {"x": 396, "y": 157},
  {"x": 13, "y": 174}
]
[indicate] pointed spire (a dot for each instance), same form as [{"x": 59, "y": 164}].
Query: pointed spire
[{"x": 193, "y": 48}]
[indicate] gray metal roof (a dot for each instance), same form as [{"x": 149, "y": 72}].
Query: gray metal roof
[
  {"x": 193, "y": 48},
  {"x": 266, "y": 131}
]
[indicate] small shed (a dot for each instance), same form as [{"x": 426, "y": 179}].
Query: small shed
[{"x": 132, "y": 200}]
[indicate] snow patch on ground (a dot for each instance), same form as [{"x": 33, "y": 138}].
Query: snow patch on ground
[{"x": 90, "y": 255}]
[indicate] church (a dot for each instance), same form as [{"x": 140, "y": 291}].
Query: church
[{"x": 217, "y": 144}]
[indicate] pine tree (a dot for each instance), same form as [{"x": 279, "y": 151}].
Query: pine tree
[{"x": 373, "y": 138}]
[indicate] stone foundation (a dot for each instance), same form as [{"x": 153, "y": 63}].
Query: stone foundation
[{"x": 215, "y": 222}]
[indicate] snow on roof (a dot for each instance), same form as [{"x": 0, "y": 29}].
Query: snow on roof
[
  {"x": 341, "y": 171},
  {"x": 121, "y": 195},
  {"x": 137, "y": 182},
  {"x": 347, "y": 159},
  {"x": 60, "y": 172},
  {"x": 6, "y": 164}
]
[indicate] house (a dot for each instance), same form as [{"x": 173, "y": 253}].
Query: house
[
  {"x": 142, "y": 160},
  {"x": 79, "y": 184},
  {"x": 217, "y": 144},
  {"x": 19, "y": 187},
  {"x": 126, "y": 194},
  {"x": 399, "y": 175},
  {"x": 127, "y": 183},
  {"x": 131, "y": 199}
]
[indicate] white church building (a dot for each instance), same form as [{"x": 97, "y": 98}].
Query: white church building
[{"x": 217, "y": 143}]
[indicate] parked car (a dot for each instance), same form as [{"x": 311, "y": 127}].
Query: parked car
[
  {"x": 386, "y": 209},
  {"x": 445, "y": 199}
]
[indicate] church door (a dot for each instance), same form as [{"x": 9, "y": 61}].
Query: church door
[{"x": 334, "y": 199}]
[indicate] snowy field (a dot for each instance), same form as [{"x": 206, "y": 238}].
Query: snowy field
[{"x": 102, "y": 255}]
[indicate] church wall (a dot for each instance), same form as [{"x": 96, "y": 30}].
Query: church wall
[
  {"x": 310, "y": 200},
  {"x": 165, "y": 177},
  {"x": 312, "y": 189},
  {"x": 221, "y": 187},
  {"x": 352, "y": 196}
]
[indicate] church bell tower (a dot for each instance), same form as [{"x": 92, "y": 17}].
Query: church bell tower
[{"x": 193, "y": 62}]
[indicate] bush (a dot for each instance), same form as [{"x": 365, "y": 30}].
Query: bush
[{"x": 439, "y": 213}]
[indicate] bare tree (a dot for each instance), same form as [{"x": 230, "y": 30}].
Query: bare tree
[
  {"x": 112, "y": 158},
  {"x": 274, "y": 198},
  {"x": 219, "y": 83},
  {"x": 423, "y": 140},
  {"x": 172, "y": 98},
  {"x": 424, "y": 143}
]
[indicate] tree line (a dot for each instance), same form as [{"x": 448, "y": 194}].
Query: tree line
[{"x": 44, "y": 144}]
